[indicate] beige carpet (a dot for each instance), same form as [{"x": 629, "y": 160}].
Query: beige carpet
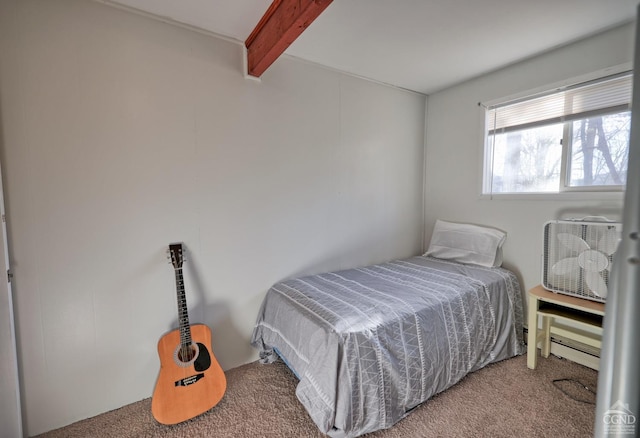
[{"x": 502, "y": 400}]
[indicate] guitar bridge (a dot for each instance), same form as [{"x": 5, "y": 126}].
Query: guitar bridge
[{"x": 189, "y": 380}]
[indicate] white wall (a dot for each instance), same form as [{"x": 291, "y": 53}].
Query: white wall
[
  {"x": 454, "y": 151},
  {"x": 121, "y": 134}
]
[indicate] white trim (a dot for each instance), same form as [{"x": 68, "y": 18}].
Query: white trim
[
  {"x": 487, "y": 155},
  {"x": 555, "y": 196},
  {"x": 202, "y": 31},
  {"x": 12, "y": 322},
  {"x": 167, "y": 20},
  {"x": 245, "y": 66},
  {"x": 354, "y": 75},
  {"x": 423, "y": 243}
]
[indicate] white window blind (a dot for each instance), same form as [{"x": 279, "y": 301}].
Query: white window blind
[{"x": 603, "y": 96}]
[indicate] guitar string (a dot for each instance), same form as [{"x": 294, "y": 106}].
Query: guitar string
[
  {"x": 186, "y": 350},
  {"x": 184, "y": 324},
  {"x": 183, "y": 348}
]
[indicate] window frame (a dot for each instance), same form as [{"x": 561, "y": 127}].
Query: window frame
[
  {"x": 565, "y": 190},
  {"x": 566, "y": 158}
]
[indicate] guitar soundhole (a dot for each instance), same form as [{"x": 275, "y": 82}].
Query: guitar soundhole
[{"x": 185, "y": 356}]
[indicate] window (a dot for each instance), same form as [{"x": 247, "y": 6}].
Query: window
[{"x": 571, "y": 139}]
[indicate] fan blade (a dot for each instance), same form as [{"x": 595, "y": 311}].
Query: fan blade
[
  {"x": 566, "y": 266},
  {"x": 573, "y": 242},
  {"x": 593, "y": 260},
  {"x": 596, "y": 283},
  {"x": 609, "y": 241}
]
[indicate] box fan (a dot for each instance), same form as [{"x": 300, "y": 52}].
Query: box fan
[{"x": 578, "y": 254}]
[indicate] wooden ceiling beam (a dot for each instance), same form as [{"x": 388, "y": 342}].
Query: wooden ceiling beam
[{"x": 283, "y": 22}]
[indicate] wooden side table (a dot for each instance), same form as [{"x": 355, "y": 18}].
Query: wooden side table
[{"x": 556, "y": 310}]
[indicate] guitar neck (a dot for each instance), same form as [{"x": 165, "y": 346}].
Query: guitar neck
[{"x": 183, "y": 314}]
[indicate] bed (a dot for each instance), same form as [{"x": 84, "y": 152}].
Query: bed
[{"x": 370, "y": 344}]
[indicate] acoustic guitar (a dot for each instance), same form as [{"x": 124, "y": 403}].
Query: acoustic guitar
[{"x": 190, "y": 381}]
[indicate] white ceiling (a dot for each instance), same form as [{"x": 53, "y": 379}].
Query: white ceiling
[{"x": 420, "y": 45}]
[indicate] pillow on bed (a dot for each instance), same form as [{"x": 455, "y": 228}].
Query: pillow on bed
[{"x": 467, "y": 243}]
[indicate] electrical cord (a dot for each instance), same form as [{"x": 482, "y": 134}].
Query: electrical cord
[{"x": 576, "y": 382}]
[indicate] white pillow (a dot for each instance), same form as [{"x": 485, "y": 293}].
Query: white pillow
[{"x": 466, "y": 243}]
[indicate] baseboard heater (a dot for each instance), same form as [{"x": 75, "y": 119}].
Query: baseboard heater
[{"x": 574, "y": 351}]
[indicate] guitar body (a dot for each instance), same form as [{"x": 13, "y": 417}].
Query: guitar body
[{"x": 190, "y": 383}]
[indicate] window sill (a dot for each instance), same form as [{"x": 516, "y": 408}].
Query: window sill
[{"x": 561, "y": 196}]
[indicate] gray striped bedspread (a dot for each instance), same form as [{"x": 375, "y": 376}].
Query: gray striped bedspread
[{"x": 370, "y": 344}]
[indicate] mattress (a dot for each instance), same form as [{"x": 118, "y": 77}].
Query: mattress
[{"x": 372, "y": 343}]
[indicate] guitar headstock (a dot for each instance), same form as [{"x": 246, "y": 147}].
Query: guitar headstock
[{"x": 176, "y": 255}]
